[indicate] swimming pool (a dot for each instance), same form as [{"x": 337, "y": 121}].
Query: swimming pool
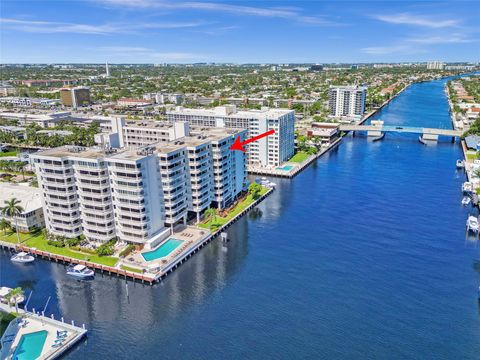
[
  {"x": 163, "y": 250},
  {"x": 30, "y": 346},
  {"x": 285, "y": 167}
]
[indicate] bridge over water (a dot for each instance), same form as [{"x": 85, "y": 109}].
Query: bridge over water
[{"x": 427, "y": 133}]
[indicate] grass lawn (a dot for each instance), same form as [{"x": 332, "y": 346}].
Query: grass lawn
[
  {"x": 132, "y": 269},
  {"x": 8, "y": 153},
  {"x": 299, "y": 157},
  {"x": 214, "y": 224},
  {"x": 5, "y": 319},
  {"x": 472, "y": 156},
  {"x": 38, "y": 241}
]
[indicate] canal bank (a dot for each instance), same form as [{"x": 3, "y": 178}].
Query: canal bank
[{"x": 352, "y": 259}]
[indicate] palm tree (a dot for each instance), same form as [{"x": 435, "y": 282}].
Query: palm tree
[
  {"x": 12, "y": 209},
  {"x": 211, "y": 214},
  {"x": 13, "y": 297},
  {"x": 4, "y": 225}
]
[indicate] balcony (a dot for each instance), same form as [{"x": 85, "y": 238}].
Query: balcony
[
  {"x": 94, "y": 214},
  {"x": 98, "y": 227},
  {"x": 68, "y": 218},
  {"x": 137, "y": 177},
  {"x": 92, "y": 177},
  {"x": 56, "y": 176},
  {"x": 54, "y": 167},
  {"x": 60, "y": 193}
]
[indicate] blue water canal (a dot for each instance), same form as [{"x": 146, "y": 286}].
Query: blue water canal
[{"x": 363, "y": 255}]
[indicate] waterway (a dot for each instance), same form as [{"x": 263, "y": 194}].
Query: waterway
[{"x": 362, "y": 255}]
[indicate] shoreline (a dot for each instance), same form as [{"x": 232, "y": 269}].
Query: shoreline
[{"x": 149, "y": 278}]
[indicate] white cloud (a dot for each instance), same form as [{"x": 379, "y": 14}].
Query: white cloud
[
  {"x": 97, "y": 29},
  {"x": 409, "y": 19},
  {"x": 394, "y": 49},
  {"x": 447, "y": 39},
  {"x": 291, "y": 13},
  {"x": 154, "y": 55}
]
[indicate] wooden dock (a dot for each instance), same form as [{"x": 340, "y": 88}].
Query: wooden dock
[{"x": 68, "y": 260}]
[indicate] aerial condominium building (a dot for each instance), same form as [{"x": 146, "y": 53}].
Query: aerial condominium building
[
  {"x": 138, "y": 195},
  {"x": 118, "y": 133},
  {"x": 347, "y": 101},
  {"x": 76, "y": 194},
  {"x": 75, "y": 97},
  {"x": 435, "y": 65},
  {"x": 270, "y": 151}
]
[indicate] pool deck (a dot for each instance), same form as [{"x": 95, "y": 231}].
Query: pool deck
[
  {"x": 195, "y": 239},
  {"x": 35, "y": 323},
  {"x": 298, "y": 167},
  {"x": 191, "y": 237}
]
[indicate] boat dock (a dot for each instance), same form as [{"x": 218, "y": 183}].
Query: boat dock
[
  {"x": 146, "y": 277},
  {"x": 58, "y": 336},
  {"x": 297, "y": 168},
  {"x": 69, "y": 260}
]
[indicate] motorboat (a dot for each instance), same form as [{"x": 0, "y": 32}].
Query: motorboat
[
  {"x": 22, "y": 258},
  {"x": 472, "y": 223},
  {"x": 80, "y": 271},
  {"x": 4, "y": 291},
  {"x": 466, "y": 200},
  {"x": 460, "y": 164},
  {"x": 467, "y": 187}
]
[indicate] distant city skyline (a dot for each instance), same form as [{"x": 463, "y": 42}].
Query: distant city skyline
[{"x": 154, "y": 31}]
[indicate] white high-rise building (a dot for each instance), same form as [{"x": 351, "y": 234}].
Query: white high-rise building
[
  {"x": 435, "y": 65},
  {"x": 107, "y": 70},
  {"x": 138, "y": 195},
  {"x": 347, "y": 101},
  {"x": 270, "y": 151}
]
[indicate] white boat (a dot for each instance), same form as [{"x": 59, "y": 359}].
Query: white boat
[
  {"x": 466, "y": 200},
  {"x": 80, "y": 271},
  {"x": 4, "y": 291},
  {"x": 460, "y": 164},
  {"x": 271, "y": 185},
  {"x": 467, "y": 187},
  {"x": 472, "y": 223},
  {"x": 22, "y": 257}
]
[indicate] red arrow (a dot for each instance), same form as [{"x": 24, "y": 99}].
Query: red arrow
[{"x": 238, "y": 144}]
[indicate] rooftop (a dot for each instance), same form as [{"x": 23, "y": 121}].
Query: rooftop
[
  {"x": 231, "y": 111},
  {"x": 72, "y": 151},
  {"x": 30, "y": 198}
]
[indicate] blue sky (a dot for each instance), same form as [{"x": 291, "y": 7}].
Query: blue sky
[{"x": 157, "y": 31}]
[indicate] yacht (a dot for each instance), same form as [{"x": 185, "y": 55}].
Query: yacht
[
  {"x": 4, "y": 291},
  {"x": 460, "y": 164},
  {"x": 80, "y": 271},
  {"x": 472, "y": 224},
  {"x": 22, "y": 258},
  {"x": 466, "y": 200},
  {"x": 467, "y": 187}
]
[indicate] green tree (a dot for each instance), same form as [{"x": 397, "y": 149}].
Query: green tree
[
  {"x": 12, "y": 209},
  {"x": 211, "y": 214},
  {"x": 254, "y": 190},
  {"x": 4, "y": 225},
  {"x": 13, "y": 296}
]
